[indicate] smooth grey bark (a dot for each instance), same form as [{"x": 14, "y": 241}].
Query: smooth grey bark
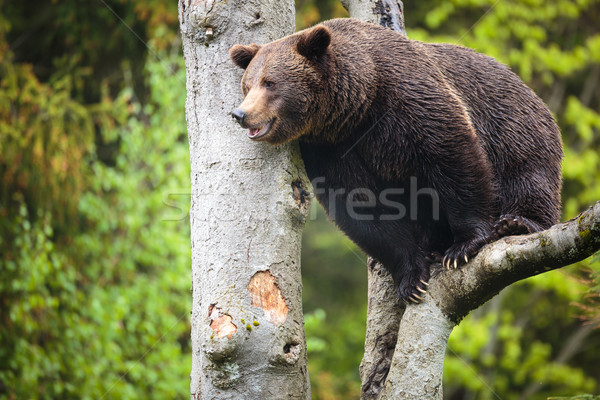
[
  {"x": 413, "y": 370},
  {"x": 384, "y": 312},
  {"x": 418, "y": 359},
  {"x": 248, "y": 207}
]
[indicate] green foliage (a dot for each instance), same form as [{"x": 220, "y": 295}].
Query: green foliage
[
  {"x": 88, "y": 41},
  {"x": 45, "y": 137},
  {"x": 492, "y": 353},
  {"x": 99, "y": 310},
  {"x": 335, "y": 348},
  {"x": 310, "y": 12}
]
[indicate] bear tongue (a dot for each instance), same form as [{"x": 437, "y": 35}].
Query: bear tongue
[{"x": 254, "y": 132}]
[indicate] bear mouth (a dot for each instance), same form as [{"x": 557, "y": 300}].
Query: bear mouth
[{"x": 256, "y": 133}]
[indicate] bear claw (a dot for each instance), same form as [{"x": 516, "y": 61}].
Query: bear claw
[
  {"x": 412, "y": 286},
  {"x": 416, "y": 293},
  {"x": 459, "y": 253},
  {"x": 415, "y": 298},
  {"x": 449, "y": 262},
  {"x": 508, "y": 225}
]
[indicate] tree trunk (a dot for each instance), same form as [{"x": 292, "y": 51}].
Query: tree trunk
[
  {"x": 248, "y": 206},
  {"x": 384, "y": 313}
]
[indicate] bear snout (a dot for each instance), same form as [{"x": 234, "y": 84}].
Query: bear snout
[{"x": 240, "y": 116}]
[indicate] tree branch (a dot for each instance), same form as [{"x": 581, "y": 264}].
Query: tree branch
[
  {"x": 416, "y": 369},
  {"x": 418, "y": 360},
  {"x": 508, "y": 260}
]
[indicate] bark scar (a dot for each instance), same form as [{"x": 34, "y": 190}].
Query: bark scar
[
  {"x": 392, "y": 15},
  {"x": 299, "y": 193},
  {"x": 220, "y": 322},
  {"x": 266, "y": 294}
]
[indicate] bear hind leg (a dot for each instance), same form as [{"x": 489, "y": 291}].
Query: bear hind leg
[
  {"x": 509, "y": 224},
  {"x": 529, "y": 202}
]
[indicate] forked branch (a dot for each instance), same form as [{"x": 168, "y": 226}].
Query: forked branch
[
  {"x": 508, "y": 260},
  {"x": 417, "y": 361}
]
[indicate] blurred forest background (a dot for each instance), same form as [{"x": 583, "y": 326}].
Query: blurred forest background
[{"x": 94, "y": 197}]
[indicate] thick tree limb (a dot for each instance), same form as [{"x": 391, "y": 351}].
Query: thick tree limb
[
  {"x": 457, "y": 292},
  {"x": 424, "y": 330},
  {"x": 418, "y": 360}
]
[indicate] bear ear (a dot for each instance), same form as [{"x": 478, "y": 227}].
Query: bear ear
[
  {"x": 313, "y": 43},
  {"x": 242, "y": 55}
]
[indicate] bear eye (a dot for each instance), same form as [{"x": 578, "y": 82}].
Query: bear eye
[{"x": 269, "y": 84}]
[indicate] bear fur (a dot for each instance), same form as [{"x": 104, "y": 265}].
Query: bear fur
[{"x": 439, "y": 149}]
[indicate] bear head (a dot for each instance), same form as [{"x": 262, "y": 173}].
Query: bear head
[{"x": 284, "y": 85}]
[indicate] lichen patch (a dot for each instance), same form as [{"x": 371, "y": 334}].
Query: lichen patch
[{"x": 266, "y": 294}]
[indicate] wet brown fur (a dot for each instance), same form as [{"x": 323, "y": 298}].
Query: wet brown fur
[{"x": 372, "y": 109}]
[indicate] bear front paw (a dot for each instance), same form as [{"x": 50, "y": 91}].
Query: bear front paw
[
  {"x": 460, "y": 253},
  {"x": 413, "y": 287}
]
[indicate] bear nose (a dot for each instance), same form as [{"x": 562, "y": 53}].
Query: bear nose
[{"x": 239, "y": 115}]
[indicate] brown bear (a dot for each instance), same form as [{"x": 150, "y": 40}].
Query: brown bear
[{"x": 414, "y": 149}]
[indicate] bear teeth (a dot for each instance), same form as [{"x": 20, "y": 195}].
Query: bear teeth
[{"x": 255, "y": 133}]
